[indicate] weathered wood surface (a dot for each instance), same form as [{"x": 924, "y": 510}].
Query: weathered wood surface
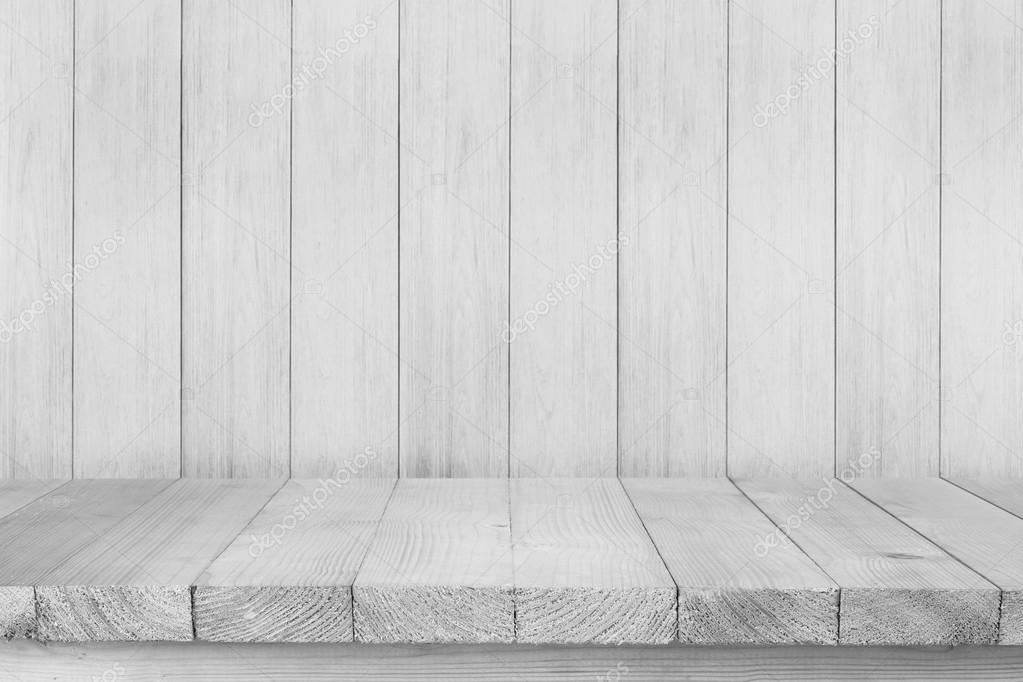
[
  {"x": 897, "y": 588},
  {"x": 454, "y": 237},
  {"x": 981, "y": 239},
  {"x": 28, "y": 661},
  {"x": 127, "y": 239},
  {"x": 15, "y": 494},
  {"x": 1006, "y": 493},
  {"x": 43, "y": 535},
  {"x": 36, "y": 235},
  {"x": 344, "y": 275},
  {"x": 781, "y": 229},
  {"x": 288, "y": 576},
  {"x": 134, "y": 583},
  {"x": 585, "y": 570},
  {"x": 236, "y": 238},
  {"x": 672, "y": 189},
  {"x": 563, "y": 385},
  {"x": 732, "y": 588},
  {"x": 439, "y": 568},
  {"x": 887, "y": 234},
  {"x": 987, "y": 539}
]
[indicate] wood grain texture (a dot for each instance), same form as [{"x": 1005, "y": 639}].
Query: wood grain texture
[
  {"x": 344, "y": 193},
  {"x": 672, "y": 97},
  {"x": 987, "y": 539},
  {"x": 563, "y": 328},
  {"x": 1001, "y": 492},
  {"x": 781, "y": 410},
  {"x": 454, "y": 237},
  {"x": 896, "y": 587},
  {"x": 236, "y": 234},
  {"x": 35, "y": 237},
  {"x": 288, "y": 576},
  {"x": 439, "y": 568},
  {"x": 887, "y": 207},
  {"x": 135, "y": 582},
  {"x": 44, "y": 534},
  {"x": 733, "y": 589},
  {"x": 127, "y": 322},
  {"x": 586, "y": 572},
  {"x": 982, "y": 239},
  {"x": 16, "y": 494},
  {"x": 32, "y": 661}
]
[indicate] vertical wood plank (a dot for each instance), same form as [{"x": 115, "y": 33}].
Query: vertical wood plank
[
  {"x": 887, "y": 235},
  {"x": 344, "y": 363},
  {"x": 563, "y": 327},
  {"x": 781, "y": 240},
  {"x": 236, "y": 290},
  {"x": 127, "y": 321},
  {"x": 673, "y": 96},
  {"x": 35, "y": 238},
  {"x": 982, "y": 239},
  {"x": 454, "y": 238}
]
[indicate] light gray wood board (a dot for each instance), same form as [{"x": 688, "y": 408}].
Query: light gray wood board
[
  {"x": 982, "y": 239},
  {"x": 236, "y": 234},
  {"x": 563, "y": 384},
  {"x": 887, "y": 207},
  {"x": 439, "y": 568},
  {"x": 44, "y": 534},
  {"x": 127, "y": 318},
  {"x": 781, "y": 354},
  {"x": 454, "y": 237},
  {"x": 586, "y": 571},
  {"x": 987, "y": 539},
  {"x": 897, "y": 588},
  {"x": 134, "y": 582},
  {"x": 32, "y": 661},
  {"x": 15, "y": 494},
  {"x": 36, "y": 123},
  {"x": 288, "y": 576},
  {"x": 733, "y": 589},
  {"x": 672, "y": 99},
  {"x": 1006, "y": 493},
  {"x": 344, "y": 194}
]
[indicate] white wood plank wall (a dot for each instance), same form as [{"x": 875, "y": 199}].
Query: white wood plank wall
[{"x": 511, "y": 237}]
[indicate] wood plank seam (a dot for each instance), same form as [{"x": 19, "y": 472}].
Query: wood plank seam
[
  {"x": 892, "y": 607},
  {"x": 660, "y": 556}
]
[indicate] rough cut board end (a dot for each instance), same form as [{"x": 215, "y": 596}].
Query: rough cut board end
[
  {"x": 273, "y": 613},
  {"x": 17, "y": 612},
  {"x": 433, "y": 614},
  {"x": 1011, "y": 625},
  {"x": 124, "y": 613},
  {"x": 919, "y": 616},
  {"x": 758, "y": 616},
  {"x": 583, "y": 615}
]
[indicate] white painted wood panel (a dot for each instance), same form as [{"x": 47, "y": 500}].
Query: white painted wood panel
[
  {"x": 563, "y": 384},
  {"x": 36, "y": 55},
  {"x": 672, "y": 172},
  {"x": 344, "y": 326},
  {"x": 454, "y": 238},
  {"x": 127, "y": 317},
  {"x": 982, "y": 239},
  {"x": 781, "y": 230},
  {"x": 887, "y": 208},
  {"x": 236, "y": 252}
]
